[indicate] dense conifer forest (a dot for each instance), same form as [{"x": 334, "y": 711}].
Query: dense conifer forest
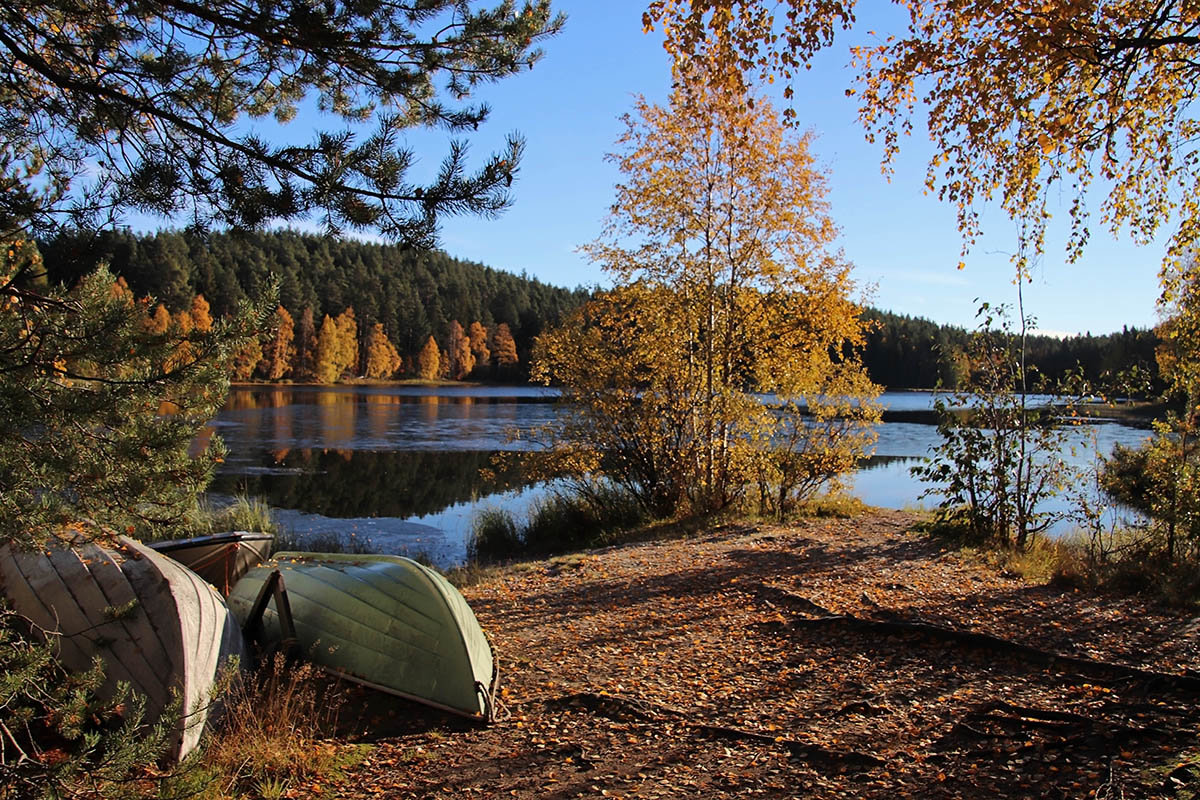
[
  {"x": 403, "y": 298},
  {"x": 413, "y": 294},
  {"x": 915, "y": 353}
]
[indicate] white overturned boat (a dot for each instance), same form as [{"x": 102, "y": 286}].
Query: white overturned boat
[
  {"x": 155, "y": 624},
  {"x": 220, "y": 558}
]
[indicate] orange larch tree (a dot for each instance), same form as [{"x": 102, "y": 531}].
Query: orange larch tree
[
  {"x": 159, "y": 320},
  {"x": 245, "y": 360},
  {"x": 305, "y": 360},
  {"x": 504, "y": 348},
  {"x": 382, "y": 358},
  {"x": 337, "y": 346},
  {"x": 478, "y": 335},
  {"x": 278, "y": 349},
  {"x": 201, "y": 314},
  {"x": 429, "y": 361},
  {"x": 462, "y": 360}
]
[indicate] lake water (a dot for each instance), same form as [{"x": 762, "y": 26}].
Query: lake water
[{"x": 401, "y": 466}]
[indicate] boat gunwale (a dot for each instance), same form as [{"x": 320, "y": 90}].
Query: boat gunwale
[
  {"x": 231, "y": 537},
  {"x": 350, "y": 676}
]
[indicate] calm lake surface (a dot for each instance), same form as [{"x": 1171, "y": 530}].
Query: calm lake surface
[{"x": 400, "y": 466}]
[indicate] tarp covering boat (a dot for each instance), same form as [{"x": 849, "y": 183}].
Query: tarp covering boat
[
  {"x": 383, "y": 621},
  {"x": 157, "y": 625},
  {"x": 220, "y": 558}
]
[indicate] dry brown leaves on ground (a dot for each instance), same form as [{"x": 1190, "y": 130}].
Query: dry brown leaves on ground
[{"x": 843, "y": 658}]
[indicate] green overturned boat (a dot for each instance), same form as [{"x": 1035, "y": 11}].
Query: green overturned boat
[{"x": 383, "y": 621}]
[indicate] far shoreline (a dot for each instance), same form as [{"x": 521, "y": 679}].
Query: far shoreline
[{"x": 1137, "y": 414}]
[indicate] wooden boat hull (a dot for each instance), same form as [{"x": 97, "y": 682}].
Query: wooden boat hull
[
  {"x": 220, "y": 558},
  {"x": 169, "y": 637},
  {"x": 383, "y": 621}
]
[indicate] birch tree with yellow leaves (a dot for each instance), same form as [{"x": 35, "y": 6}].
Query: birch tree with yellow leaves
[
  {"x": 731, "y": 320},
  {"x": 1024, "y": 101},
  {"x": 337, "y": 346},
  {"x": 429, "y": 361},
  {"x": 382, "y": 358}
]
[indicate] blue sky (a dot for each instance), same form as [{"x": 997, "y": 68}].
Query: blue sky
[
  {"x": 905, "y": 245},
  {"x": 902, "y": 242}
]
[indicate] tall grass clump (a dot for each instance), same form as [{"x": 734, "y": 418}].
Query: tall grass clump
[
  {"x": 1133, "y": 562},
  {"x": 325, "y": 542},
  {"x": 834, "y": 505},
  {"x": 1057, "y": 561},
  {"x": 1141, "y": 562},
  {"x": 243, "y": 514},
  {"x": 271, "y": 739},
  {"x": 1129, "y": 560},
  {"x": 495, "y": 536},
  {"x": 557, "y": 523}
]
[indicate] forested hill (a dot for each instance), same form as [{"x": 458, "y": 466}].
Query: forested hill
[
  {"x": 419, "y": 294},
  {"x": 414, "y": 294},
  {"x": 914, "y": 353}
]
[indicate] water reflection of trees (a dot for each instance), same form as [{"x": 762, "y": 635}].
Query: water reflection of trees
[
  {"x": 879, "y": 462},
  {"x": 256, "y": 397},
  {"x": 370, "y": 483}
]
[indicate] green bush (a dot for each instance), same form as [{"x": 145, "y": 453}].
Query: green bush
[
  {"x": 1161, "y": 479},
  {"x": 998, "y": 464}
]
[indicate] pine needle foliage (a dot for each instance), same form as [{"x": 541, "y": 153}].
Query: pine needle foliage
[
  {"x": 97, "y": 412},
  {"x": 58, "y": 738},
  {"x": 173, "y": 109}
]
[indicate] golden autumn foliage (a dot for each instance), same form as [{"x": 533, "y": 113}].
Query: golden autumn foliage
[
  {"x": 279, "y": 349},
  {"x": 244, "y": 360},
  {"x": 305, "y": 340},
  {"x": 201, "y": 314},
  {"x": 337, "y": 346},
  {"x": 181, "y": 327},
  {"x": 504, "y": 347},
  {"x": 382, "y": 358},
  {"x": 158, "y": 321},
  {"x": 120, "y": 288},
  {"x": 728, "y": 292},
  {"x": 429, "y": 361},
  {"x": 462, "y": 359},
  {"x": 1024, "y": 101},
  {"x": 478, "y": 335}
]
